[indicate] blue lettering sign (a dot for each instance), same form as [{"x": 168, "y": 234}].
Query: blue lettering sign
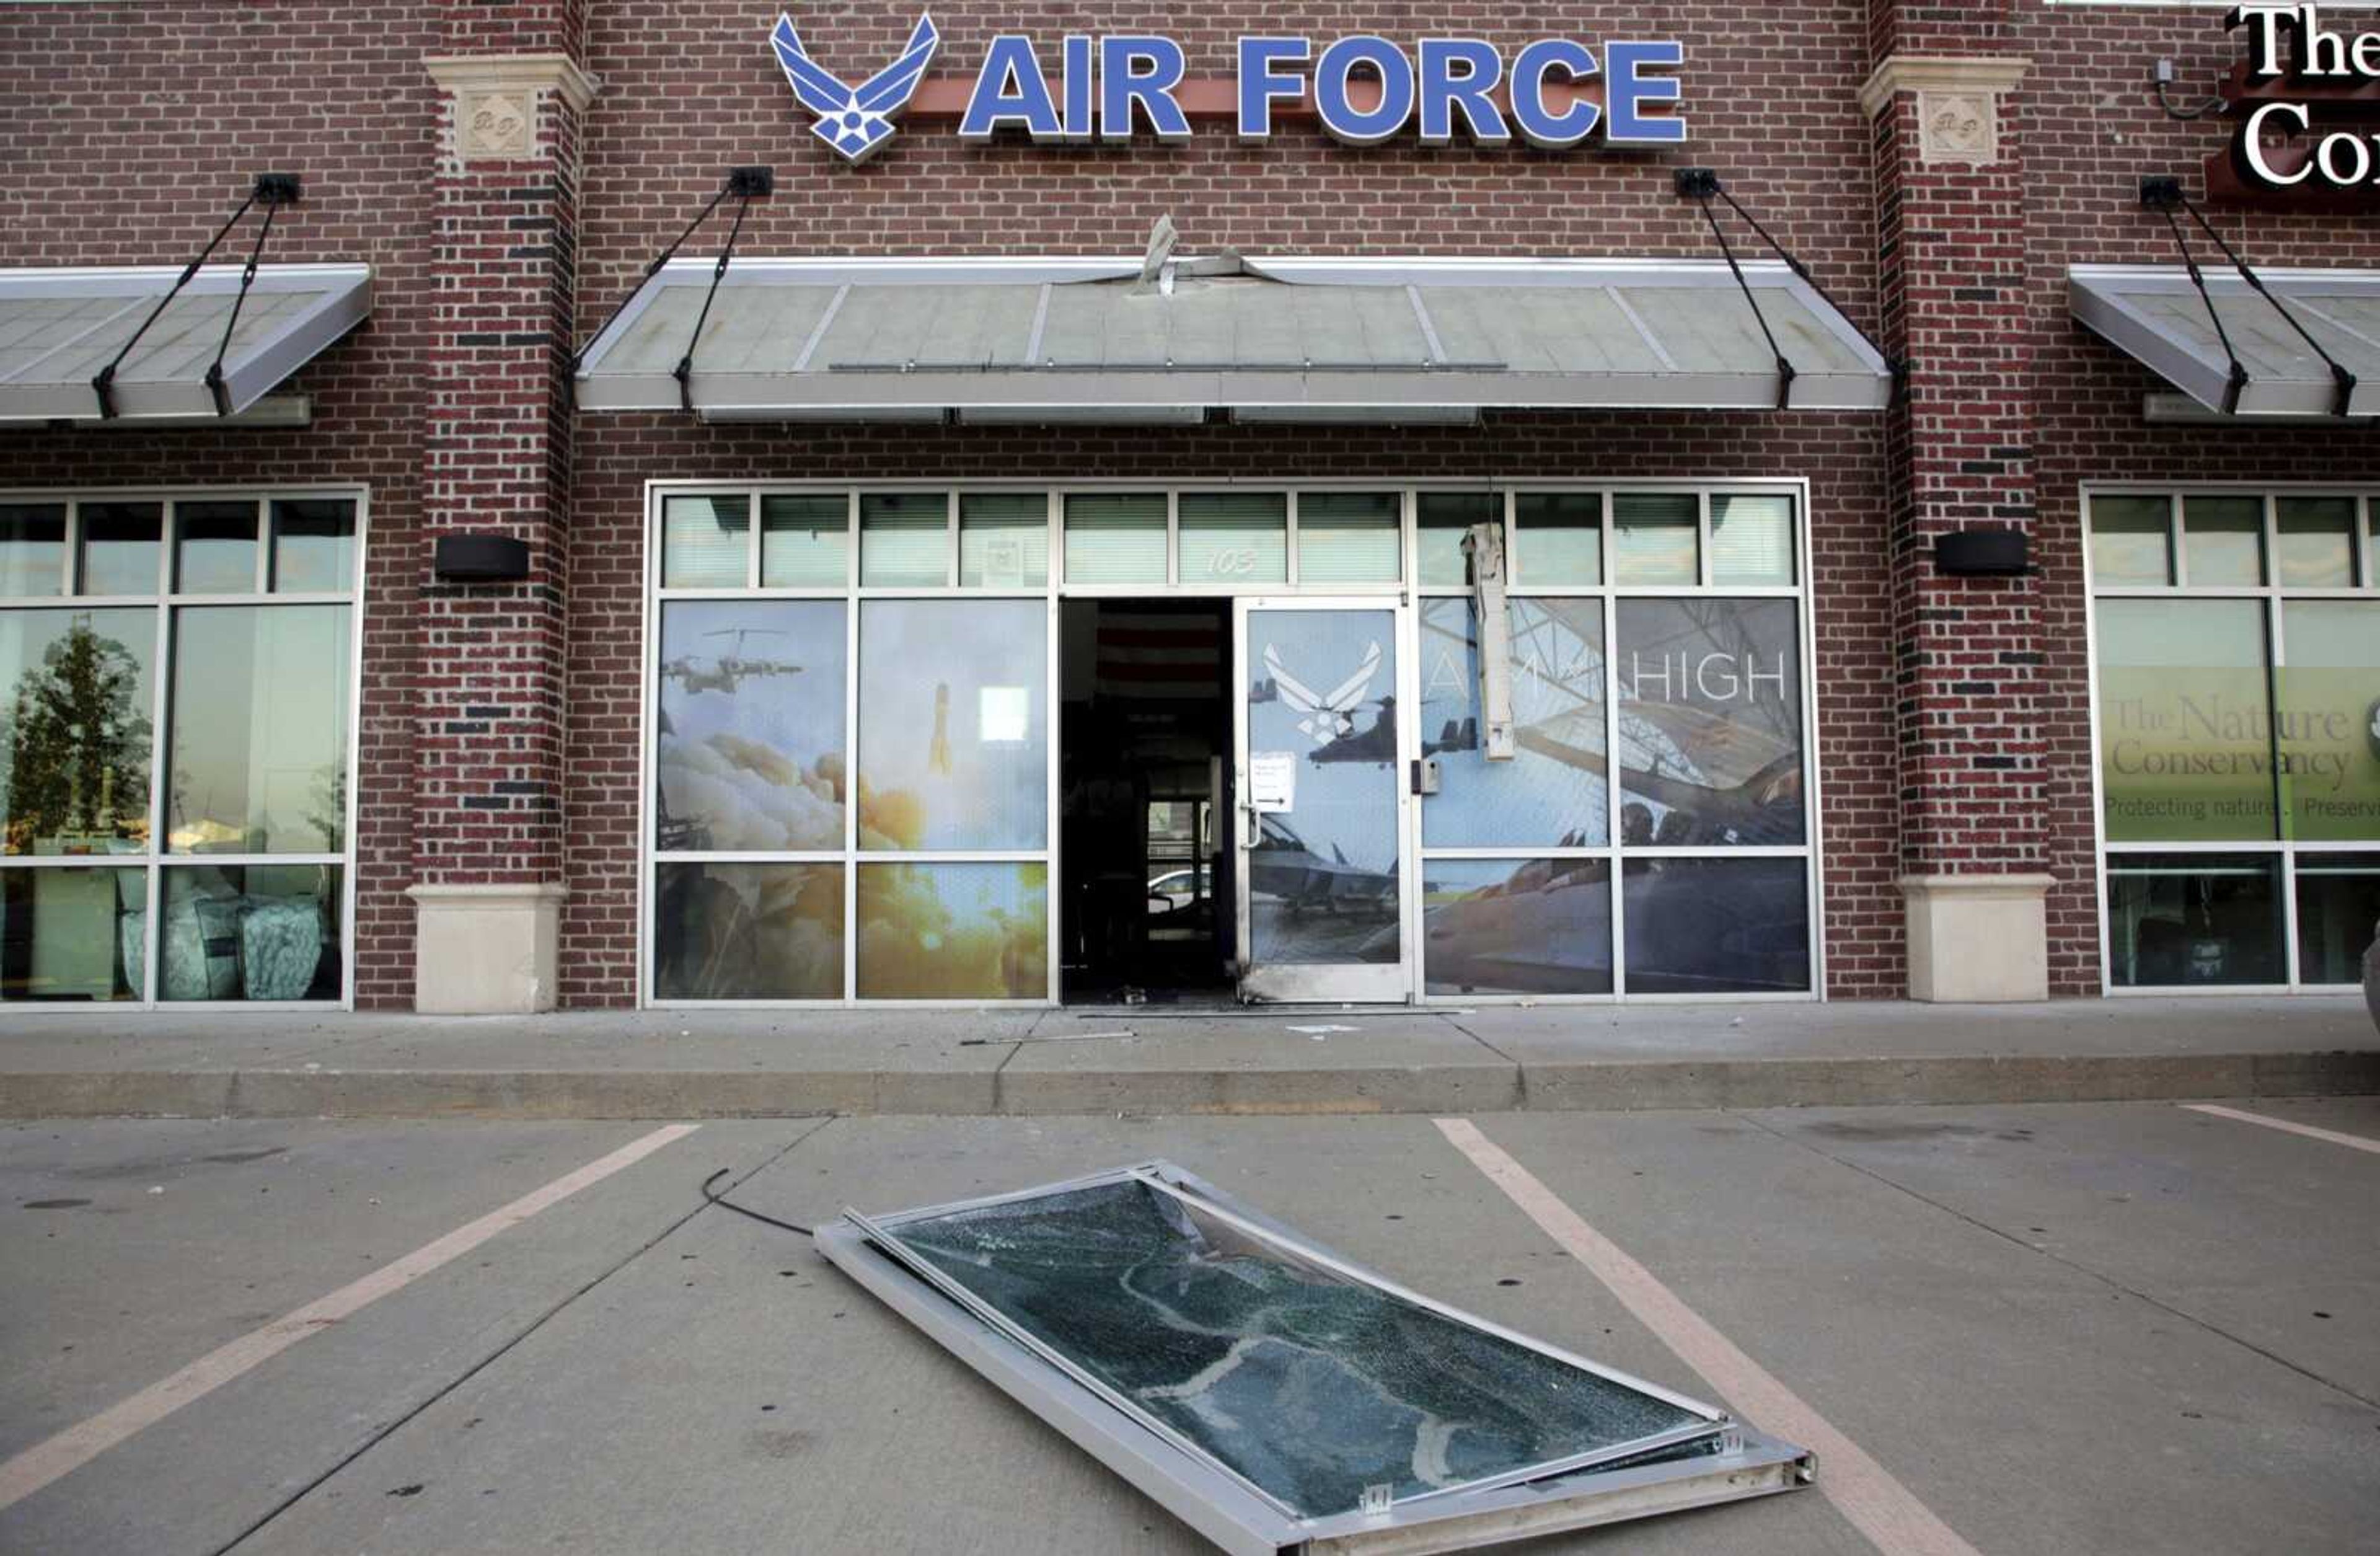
[
  {"x": 1142, "y": 70},
  {"x": 1531, "y": 68},
  {"x": 1331, "y": 73},
  {"x": 1010, "y": 90},
  {"x": 1447, "y": 90},
  {"x": 1261, "y": 86},
  {"x": 1625, "y": 88}
]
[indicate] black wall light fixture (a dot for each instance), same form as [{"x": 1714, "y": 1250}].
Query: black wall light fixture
[
  {"x": 480, "y": 559},
  {"x": 1983, "y": 554}
]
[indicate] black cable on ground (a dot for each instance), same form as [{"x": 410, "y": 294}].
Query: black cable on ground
[{"x": 726, "y": 1204}]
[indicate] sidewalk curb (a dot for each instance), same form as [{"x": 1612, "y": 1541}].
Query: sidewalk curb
[{"x": 1596, "y": 1085}]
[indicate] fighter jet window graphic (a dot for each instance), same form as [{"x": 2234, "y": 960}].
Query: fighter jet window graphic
[
  {"x": 1326, "y": 715},
  {"x": 855, "y": 120}
]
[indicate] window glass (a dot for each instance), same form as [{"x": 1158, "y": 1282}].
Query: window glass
[
  {"x": 1558, "y": 539},
  {"x": 313, "y": 546},
  {"x": 2183, "y": 919},
  {"x": 747, "y": 931},
  {"x": 1752, "y": 539},
  {"x": 1003, "y": 540},
  {"x": 75, "y": 729},
  {"x": 32, "y": 548},
  {"x": 1653, "y": 538},
  {"x": 1516, "y": 925},
  {"x": 254, "y": 932},
  {"x": 1441, "y": 519},
  {"x": 706, "y": 543},
  {"x": 805, "y": 540},
  {"x": 1710, "y": 723},
  {"x": 72, "y": 934},
  {"x": 2329, "y": 693},
  {"x": 749, "y": 745},
  {"x": 1233, "y": 538},
  {"x": 2130, "y": 542},
  {"x": 2185, "y": 720},
  {"x": 1115, "y": 537},
  {"x": 1717, "y": 926},
  {"x": 1348, "y": 538},
  {"x": 953, "y": 724},
  {"x": 119, "y": 548},
  {"x": 904, "y": 540},
  {"x": 2316, "y": 536},
  {"x": 214, "y": 548},
  {"x": 1552, "y": 795},
  {"x": 2223, "y": 539},
  {"x": 2339, "y": 903},
  {"x": 953, "y": 931},
  {"x": 259, "y": 730}
]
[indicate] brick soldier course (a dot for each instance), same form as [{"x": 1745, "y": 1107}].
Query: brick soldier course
[{"x": 509, "y": 169}]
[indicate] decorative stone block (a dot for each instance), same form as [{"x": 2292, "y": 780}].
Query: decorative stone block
[
  {"x": 486, "y": 950},
  {"x": 494, "y": 99},
  {"x": 1978, "y": 938}
]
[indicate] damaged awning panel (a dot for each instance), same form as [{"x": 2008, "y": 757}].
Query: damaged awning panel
[
  {"x": 1275, "y": 1397},
  {"x": 1386, "y": 339}
]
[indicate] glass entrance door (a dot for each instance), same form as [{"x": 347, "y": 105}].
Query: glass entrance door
[{"x": 1322, "y": 796}]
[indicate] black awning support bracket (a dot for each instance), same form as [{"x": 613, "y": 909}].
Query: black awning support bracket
[
  {"x": 2162, "y": 194},
  {"x": 271, "y": 191},
  {"x": 1702, "y": 185},
  {"x": 745, "y": 185}
]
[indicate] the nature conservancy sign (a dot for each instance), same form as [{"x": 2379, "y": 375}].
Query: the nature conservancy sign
[
  {"x": 1363, "y": 88},
  {"x": 2300, "y": 74}
]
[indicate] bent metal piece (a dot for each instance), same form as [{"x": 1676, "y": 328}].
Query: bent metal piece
[{"x": 1277, "y": 1397}]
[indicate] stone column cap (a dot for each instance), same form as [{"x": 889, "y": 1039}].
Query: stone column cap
[
  {"x": 514, "y": 72},
  {"x": 2013, "y": 884},
  {"x": 489, "y": 893},
  {"x": 1936, "y": 72}
]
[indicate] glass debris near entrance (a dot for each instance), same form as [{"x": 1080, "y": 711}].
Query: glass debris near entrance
[{"x": 1275, "y": 1396}]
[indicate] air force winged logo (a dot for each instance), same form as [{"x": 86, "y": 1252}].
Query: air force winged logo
[
  {"x": 855, "y": 120},
  {"x": 1327, "y": 714}
]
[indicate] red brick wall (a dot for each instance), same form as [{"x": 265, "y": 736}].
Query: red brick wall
[{"x": 128, "y": 134}]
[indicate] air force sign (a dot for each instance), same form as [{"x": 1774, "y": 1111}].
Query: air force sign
[
  {"x": 855, "y": 120},
  {"x": 1554, "y": 93}
]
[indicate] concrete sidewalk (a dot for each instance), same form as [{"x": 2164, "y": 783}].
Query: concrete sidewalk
[{"x": 1278, "y": 1060}]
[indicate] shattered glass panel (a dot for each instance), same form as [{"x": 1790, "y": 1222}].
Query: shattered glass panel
[{"x": 1310, "y": 1385}]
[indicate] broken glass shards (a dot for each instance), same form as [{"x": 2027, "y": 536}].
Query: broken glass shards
[{"x": 1273, "y": 1395}]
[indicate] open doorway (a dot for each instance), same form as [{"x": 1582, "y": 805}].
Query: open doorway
[{"x": 1145, "y": 759}]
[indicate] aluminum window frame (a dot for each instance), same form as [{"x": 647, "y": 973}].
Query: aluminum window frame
[
  {"x": 166, "y": 603},
  {"x": 1232, "y": 1512},
  {"x": 2273, "y": 595},
  {"x": 1406, "y": 592}
]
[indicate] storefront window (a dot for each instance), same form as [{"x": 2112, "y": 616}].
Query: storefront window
[
  {"x": 1003, "y": 540},
  {"x": 32, "y": 548},
  {"x": 904, "y": 540},
  {"x": 2131, "y": 541},
  {"x": 954, "y": 725},
  {"x": 1557, "y": 540},
  {"x": 2235, "y": 710},
  {"x": 1706, "y": 926},
  {"x": 953, "y": 931},
  {"x": 1516, "y": 925},
  {"x": 1442, "y": 519},
  {"x": 1115, "y": 537},
  {"x": 239, "y": 741},
  {"x": 706, "y": 543},
  {"x": 1554, "y": 793},
  {"x": 1752, "y": 540},
  {"x": 1710, "y": 723},
  {"x": 805, "y": 540},
  {"x": 747, "y": 931},
  {"x": 748, "y": 750},
  {"x": 1654, "y": 539},
  {"x": 1348, "y": 538},
  {"x": 1233, "y": 537}
]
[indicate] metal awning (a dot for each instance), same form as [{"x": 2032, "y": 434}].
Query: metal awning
[
  {"x": 58, "y": 328},
  {"x": 1324, "y": 339},
  {"x": 2155, "y": 313}
]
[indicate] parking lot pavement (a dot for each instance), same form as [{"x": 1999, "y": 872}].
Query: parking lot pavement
[{"x": 2104, "y": 1328}]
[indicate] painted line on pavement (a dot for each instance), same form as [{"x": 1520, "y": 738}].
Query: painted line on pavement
[
  {"x": 1894, "y": 1521},
  {"x": 2352, "y": 1142},
  {"x": 77, "y": 1445}
]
